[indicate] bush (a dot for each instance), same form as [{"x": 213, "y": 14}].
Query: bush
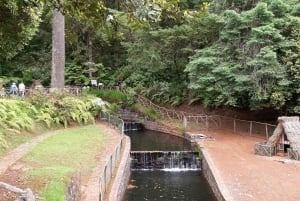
[
  {"x": 113, "y": 96},
  {"x": 58, "y": 108},
  {"x": 147, "y": 112},
  {"x": 15, "y": 115}
]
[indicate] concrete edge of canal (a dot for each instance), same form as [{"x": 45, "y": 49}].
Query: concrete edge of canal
[
  {"x": 122, "y": 175},
  {"x": 213, "y": 177}
]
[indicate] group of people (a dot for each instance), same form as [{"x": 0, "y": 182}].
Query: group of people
[{"x": 17, "y": 90}]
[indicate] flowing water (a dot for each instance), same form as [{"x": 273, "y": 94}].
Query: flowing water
[{"x": 165, "y": 184}]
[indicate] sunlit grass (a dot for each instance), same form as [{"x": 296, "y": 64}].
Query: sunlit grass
[{"x": 59, "y": 157}]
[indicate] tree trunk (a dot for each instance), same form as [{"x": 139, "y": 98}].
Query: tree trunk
[
  {"x": 58, "y": 51},
  {"x": 90, "y": 53}
]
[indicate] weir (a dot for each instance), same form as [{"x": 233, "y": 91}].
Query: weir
[
  {"x": 165, "y": 160},
  {"x": 132, "y": 126}
]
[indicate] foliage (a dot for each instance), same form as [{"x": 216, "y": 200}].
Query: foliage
[
  {"x": 166, "y": 12},
  {"x": 15, "y": 116},
  {"x": 157, "y": 59},
  {"x": 146, "y": 112},
  {"x": 58, "y": 108},
  {"x": 244, "y": 53},
  {"x": 113, "y": 109},
  {"x": 19, "y": 22},
  {"x": 113, "y": 96},
  {"x": 247, "y": 66},
  {"x": 76, "y": 75}
]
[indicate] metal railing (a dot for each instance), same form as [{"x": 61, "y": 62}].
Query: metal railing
[
  {"x": 109, "y": 167},
  {"x": 112, "y": 121},
  {"x": 214, "y": 122}
]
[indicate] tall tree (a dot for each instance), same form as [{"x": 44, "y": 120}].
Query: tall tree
[{"x": 248, "y": 66}]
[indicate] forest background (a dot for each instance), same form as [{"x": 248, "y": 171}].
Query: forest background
[{"x": 221, "y": 53}]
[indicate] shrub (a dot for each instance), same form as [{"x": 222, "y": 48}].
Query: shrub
[
  {"x": 58, "y": 108},
  {"x": 148, "y": 112},
  {"x": 113, "y": 96},
  {"x": 15, "y": 115}
]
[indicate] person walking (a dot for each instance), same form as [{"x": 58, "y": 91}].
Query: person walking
[
  {"x": 22, "y": 89},
  {"x": 13, "y": 89}
]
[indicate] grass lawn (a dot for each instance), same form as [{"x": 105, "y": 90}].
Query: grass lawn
[
  {"x": 57, "y": 158},
  {"x": 16, "y": 139}
]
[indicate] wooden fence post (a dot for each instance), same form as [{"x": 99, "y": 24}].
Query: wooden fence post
[
  {"x": 184, "y": 123},
  {"x": 267, "y": 134},
  {"x": 234, "y": 126},
  {"x": 250, "y": 128}
]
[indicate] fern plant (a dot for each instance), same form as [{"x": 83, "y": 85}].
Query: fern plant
[{"x": 15, "y": 116}]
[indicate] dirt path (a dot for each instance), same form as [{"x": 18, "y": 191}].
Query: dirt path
[
  {"x": 22, "y": 150},
  {"x": 249, "y": 177}
]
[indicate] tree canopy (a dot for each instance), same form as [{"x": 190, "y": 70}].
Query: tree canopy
[
  {"x": 233, "y": 53},
  {"x": 249, "y": 65},
  {"x": 19, "y": 22}
]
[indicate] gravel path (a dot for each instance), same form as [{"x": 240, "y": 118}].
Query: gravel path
[{"x": 249, "y": 177}]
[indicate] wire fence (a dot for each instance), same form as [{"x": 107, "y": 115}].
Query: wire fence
[
  {"x": 73, "y": 90},
  {"x": 194, "y": 122},
  {"x": 216, "y": 122},
  {"x": 109, "y": 167},
  {"x": 164, "y": 112}
]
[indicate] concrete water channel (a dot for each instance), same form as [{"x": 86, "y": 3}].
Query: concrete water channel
[{"x": 185, "y": 182}]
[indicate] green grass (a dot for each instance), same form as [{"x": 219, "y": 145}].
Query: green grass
[
  {"x": 15, "y": 139},
  {"x": 59, "y": 157},
  {"x": 148, "y": 112},
  {"x": 54, "y": 191}
]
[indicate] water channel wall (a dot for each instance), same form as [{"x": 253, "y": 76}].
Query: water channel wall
[
  {"x": 119, "y": 183},
  {"x": 209, "y": 172},
  {"x": 210, "y": 178},
  {"x": 122, "y": 176}
]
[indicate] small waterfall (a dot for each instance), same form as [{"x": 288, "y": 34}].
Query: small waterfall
[
  {"x": 132, "y": 126},
  {"x": 165, "y": 160}
]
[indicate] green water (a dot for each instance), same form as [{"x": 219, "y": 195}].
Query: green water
[{"x": 165, "y": 185}]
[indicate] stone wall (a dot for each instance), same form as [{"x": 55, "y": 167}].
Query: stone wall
[{"x": 122, "y": 176}]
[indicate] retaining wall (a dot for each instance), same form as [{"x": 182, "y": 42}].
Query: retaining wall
[
  {"x": 214, "y": 179},
  {"x": 122, "y": 176}
]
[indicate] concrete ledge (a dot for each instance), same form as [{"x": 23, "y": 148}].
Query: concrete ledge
[
  {"x": 122, "y": 176},
  {"x": 214, "y": 178}
]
